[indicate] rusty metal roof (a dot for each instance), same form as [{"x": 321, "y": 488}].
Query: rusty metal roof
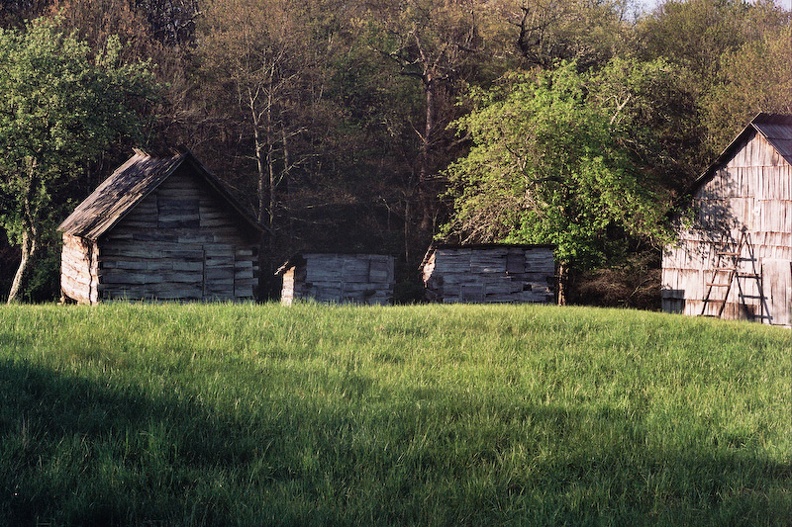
[{"x": 128, "y": 185}]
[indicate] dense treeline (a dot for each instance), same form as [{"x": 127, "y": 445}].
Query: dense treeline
[{"x": 352, "y": 125}]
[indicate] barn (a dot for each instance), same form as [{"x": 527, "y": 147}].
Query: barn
[
  {"x": 733, "y": 258},
  {"x": 338, "y": 278},
  {"x": 489, "y": 273},
  {"x": 159, "y": 228}
]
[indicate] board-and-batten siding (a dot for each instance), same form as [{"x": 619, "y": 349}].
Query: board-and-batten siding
[
  {"x": 338, "y": 278},
  {"x": 752, "y": 191},
  {"x": 489, "y": 274},
  {"x": 177, "y": 244}
]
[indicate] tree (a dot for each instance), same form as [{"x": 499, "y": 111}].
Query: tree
[
  {"x": 434, "y": 42},
  {"x": 249, "y": 49},
  {"x": 60, "y": 108},
  {"x": 550, "y": 164},
  {"x": 654, "y": 113},
  {"x": 587, "y": 32},
  {"x": 733, "y": 51},
  {"x": 755, "y": 78},
  {"x": 97, "y": 21},
  {"x": 172, "y": 21},
  {"x": 14, "y": 12},
  {"x": 694, "y": 33},
  {"x": 264, "y": 86}
]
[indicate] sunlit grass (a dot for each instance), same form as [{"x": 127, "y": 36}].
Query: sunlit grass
[{"x": 424, "y": 415}]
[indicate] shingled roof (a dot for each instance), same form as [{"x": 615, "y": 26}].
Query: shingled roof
[{"x": 129, "y": 185}]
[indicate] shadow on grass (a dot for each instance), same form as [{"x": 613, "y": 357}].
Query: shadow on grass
[{"x": 78, "y": 452}]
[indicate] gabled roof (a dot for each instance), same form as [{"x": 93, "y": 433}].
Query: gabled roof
[
  {"x": 117, "y": 195},
  {"x": 775, "y": 128}
]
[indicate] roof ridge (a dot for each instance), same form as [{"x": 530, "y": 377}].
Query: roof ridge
[
  {"x": 130, "y": 183},
  {"x": 765, "y": 117},
  {"x": 764, "y": 124}
]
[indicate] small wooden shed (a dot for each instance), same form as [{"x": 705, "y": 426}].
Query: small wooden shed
[
  {"x": 338, "y": 278},
  {"x": 159, "y": 228},
  {"x": 733, "y": 258},
  {"x": 489, "y": 273}
]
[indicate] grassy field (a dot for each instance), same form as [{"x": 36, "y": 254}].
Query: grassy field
[{"x": 253, "y": 415}]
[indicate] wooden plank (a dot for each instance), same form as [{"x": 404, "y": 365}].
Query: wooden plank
[
  {"x": 239, "y": 275},
  {"x": 130, "y": 278}
]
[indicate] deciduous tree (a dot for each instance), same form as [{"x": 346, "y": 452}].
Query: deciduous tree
[
  {"x": 61, "y": 107},
  {"x": 548, "y": 31},
  {"x": 549, "y": 164},
  {"x": 755, "y": 78},
  {"x": 257, "y": 72}
]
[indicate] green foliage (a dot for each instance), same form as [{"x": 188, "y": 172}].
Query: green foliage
[
  {"x": 431, "y": 415},
  {"x": 61, "y": 108},
  {"x": 550, "y": 163},
  {"x": 731, "y": 52},
  {"x": 755, "y": 78},
  {"x": 694, "y": 33}
]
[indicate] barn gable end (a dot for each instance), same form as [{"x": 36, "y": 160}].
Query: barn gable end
[
  {"x": 489, "y": 273},
  {"x": 159, "y": 229},
  {"x": 338, "y": 278},
  {"x": 734, "y": 259}
]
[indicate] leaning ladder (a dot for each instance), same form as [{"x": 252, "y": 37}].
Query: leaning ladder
[{"x": 728, "y": 269}]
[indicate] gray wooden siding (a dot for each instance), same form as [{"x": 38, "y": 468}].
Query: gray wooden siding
[
  {"x": 179, "y": 243},
  {"x": 751, "y": 192},
  {"x": 339, "y": 278},
  {"x": 490, "y": 274}
]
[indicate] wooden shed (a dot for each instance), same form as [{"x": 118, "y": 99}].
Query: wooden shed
[
  {"x": 338, "y": 278},
  {"x": 489, "y": 273},
  {"x": 159, "y": 228},
  {"x": 733, "y": 258}
]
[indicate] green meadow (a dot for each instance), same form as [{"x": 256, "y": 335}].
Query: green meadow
[{"x": 259, "y": 415}]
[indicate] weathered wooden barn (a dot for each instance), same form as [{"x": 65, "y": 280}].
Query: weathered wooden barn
[
  {"x": 338, "y": 278},
  {"x": 733, "y": 258},
  {"x": 159, "y": 228},
  {"x": 489, "y": 273}
]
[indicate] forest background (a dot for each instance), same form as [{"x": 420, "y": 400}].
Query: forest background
[{"x": 369, "y": 125}]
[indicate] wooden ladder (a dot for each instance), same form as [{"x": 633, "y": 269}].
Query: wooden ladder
[{"x": 729, "y": 268}]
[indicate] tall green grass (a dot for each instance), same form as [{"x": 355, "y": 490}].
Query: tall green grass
[{"x": 427, "y": 415}]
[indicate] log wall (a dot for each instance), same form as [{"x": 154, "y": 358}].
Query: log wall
[
  {"x": 490, "y": 274},
  {"x": 339, "y": 278},
  {"x": 752, "y": 192},
  {"x": 179, "y": 243},
  {"x": 79, "y": 270}
]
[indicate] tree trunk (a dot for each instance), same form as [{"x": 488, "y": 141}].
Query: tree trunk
[
  {"x": 261, "y": 191},
  {"x": 425, "y": 197},
  {"x": 563, "y": 284},
  {"x": 29, "y": 249}
]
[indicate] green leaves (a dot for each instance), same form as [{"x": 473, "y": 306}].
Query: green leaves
[
  {"x": 551, "y": 163},
  {"x": 60, "y": 110}
]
